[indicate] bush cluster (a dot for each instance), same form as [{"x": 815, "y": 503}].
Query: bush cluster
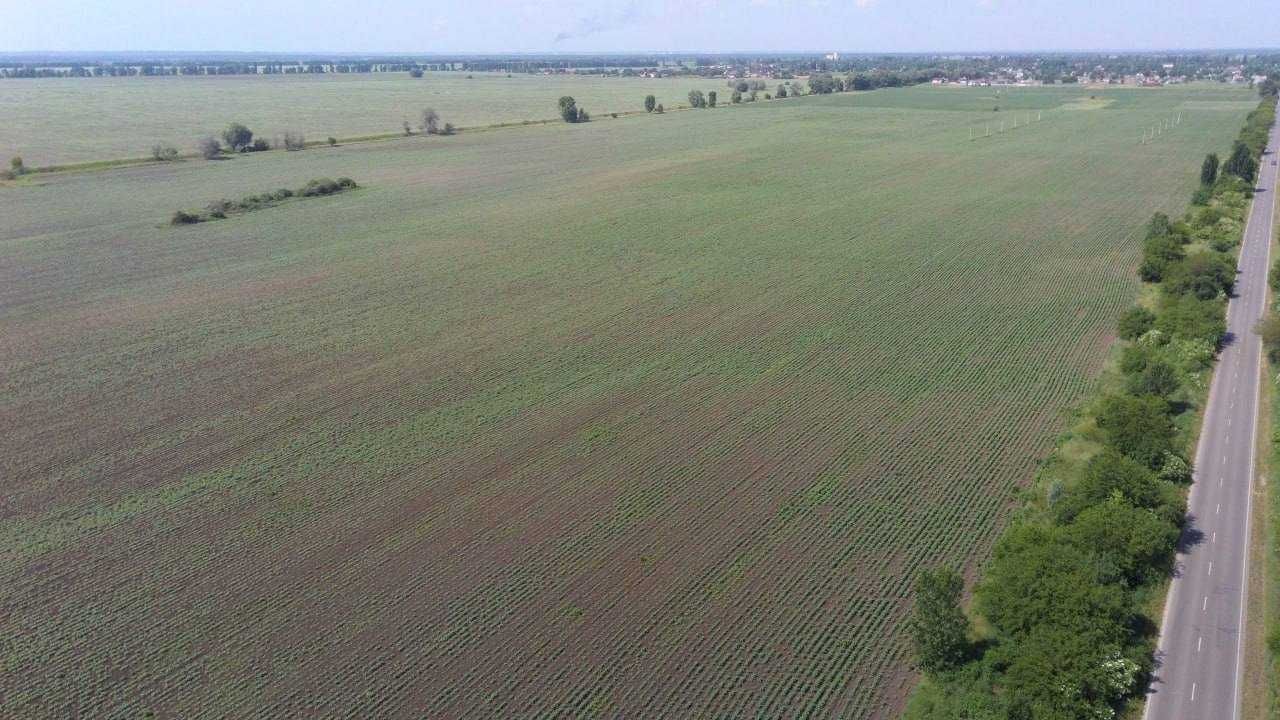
[
  {"x": 1065, "y": 589},
  {"x": 163, "y": 152},
  {"x": 16, "y": 169},
  {"x": 220, "y": 209}
]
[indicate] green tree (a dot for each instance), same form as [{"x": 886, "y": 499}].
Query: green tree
[
  {"x": 568, "y": 109},
  {"x": 1139, "y": 427},
  {"x": 736, "y": 97},
  {"x": 650, "y": 102},
  {"x": 1135, "y": 322},
  {"x": 209, "y": 148},
  {"x": 1106, "y": 474},
  {"x": 742, "y": 86},
  {"x": 430, "y": 123},
  {"x": 1241, "y": 162},
  {"x": 237, "y": 137},
  {"x": 1159, "y": 225},
  {"x": 1132, "y": 543},
  {"x": 711, "y": 98},
  {"x": 1209, "y": 169},
  {"x": 821, "y": 84},
  {"x": 697, "y": 99},
  {"x": 1159, "y": 252},
  {"x": 938, "y": 626},
  {"x": 1191, "y": 318},
  {"x": 1157, "y": 378},
  {"x": 1205, "y": 274},
  {"x": 781, "y": 92},
  {"x": 1037, "y": 579},
  {"x": 1059, "y": 673}
]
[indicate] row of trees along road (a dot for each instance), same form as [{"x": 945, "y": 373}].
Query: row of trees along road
[{"x": 1064, "y": 596}]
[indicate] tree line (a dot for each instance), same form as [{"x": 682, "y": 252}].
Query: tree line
[{"x": 1064, "y": 592}]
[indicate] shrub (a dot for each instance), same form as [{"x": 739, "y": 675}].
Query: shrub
[
  {"x": 736, "y": 97},
  {"x": 1175, "y": 470},
  {"x": 583, "y": 116},
  {"x": 258, "y": 145},
  {"x": 333, "y": 141},
  {"x": 415, "y": 73},
  {"x": 182, "y": 217},
  {"x": 321, "y": 186},
  {"x": 1135, "y": 322},
  {"x": 209, "y": 148},
  {"x": 325, "y": 186},
  {"x": 294, "y": 141},
  {"x": 659, "y": 109},
  {"x": 407, "y": 129},
  {"x": 237, "y": 137},
  {"x": 164, "y": 153},
  {"x": 1269, "y": 329},
  {"x": 16, "y": 166},
  {"x": 449, "y": 129}
]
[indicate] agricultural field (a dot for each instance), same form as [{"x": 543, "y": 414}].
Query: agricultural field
[
  {"x": 648, "y": 417},
  {"x": 74, "y": 120}
]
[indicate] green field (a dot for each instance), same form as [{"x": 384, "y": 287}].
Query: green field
[
  {"x": 73, "y": 120},
  {"x": 647, "y": 417}
]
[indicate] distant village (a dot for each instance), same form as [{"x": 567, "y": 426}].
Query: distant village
[{"x": 1132, "y": 69}]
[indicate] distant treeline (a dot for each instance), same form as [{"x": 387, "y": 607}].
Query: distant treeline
[{"x": 1064, "y": 596}]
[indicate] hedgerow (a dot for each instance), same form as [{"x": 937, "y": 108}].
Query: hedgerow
[
  {"x": 1064, "y": 593},
  {"x": 220, "y": 209}
]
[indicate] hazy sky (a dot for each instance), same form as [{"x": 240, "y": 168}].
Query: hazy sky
[{"x": 634, "y": 25}]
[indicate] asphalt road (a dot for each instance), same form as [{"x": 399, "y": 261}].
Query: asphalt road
[{"x": 1201, "y": 640}]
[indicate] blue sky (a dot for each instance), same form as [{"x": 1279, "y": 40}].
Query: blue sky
[{"x": 634, "y": 25}]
